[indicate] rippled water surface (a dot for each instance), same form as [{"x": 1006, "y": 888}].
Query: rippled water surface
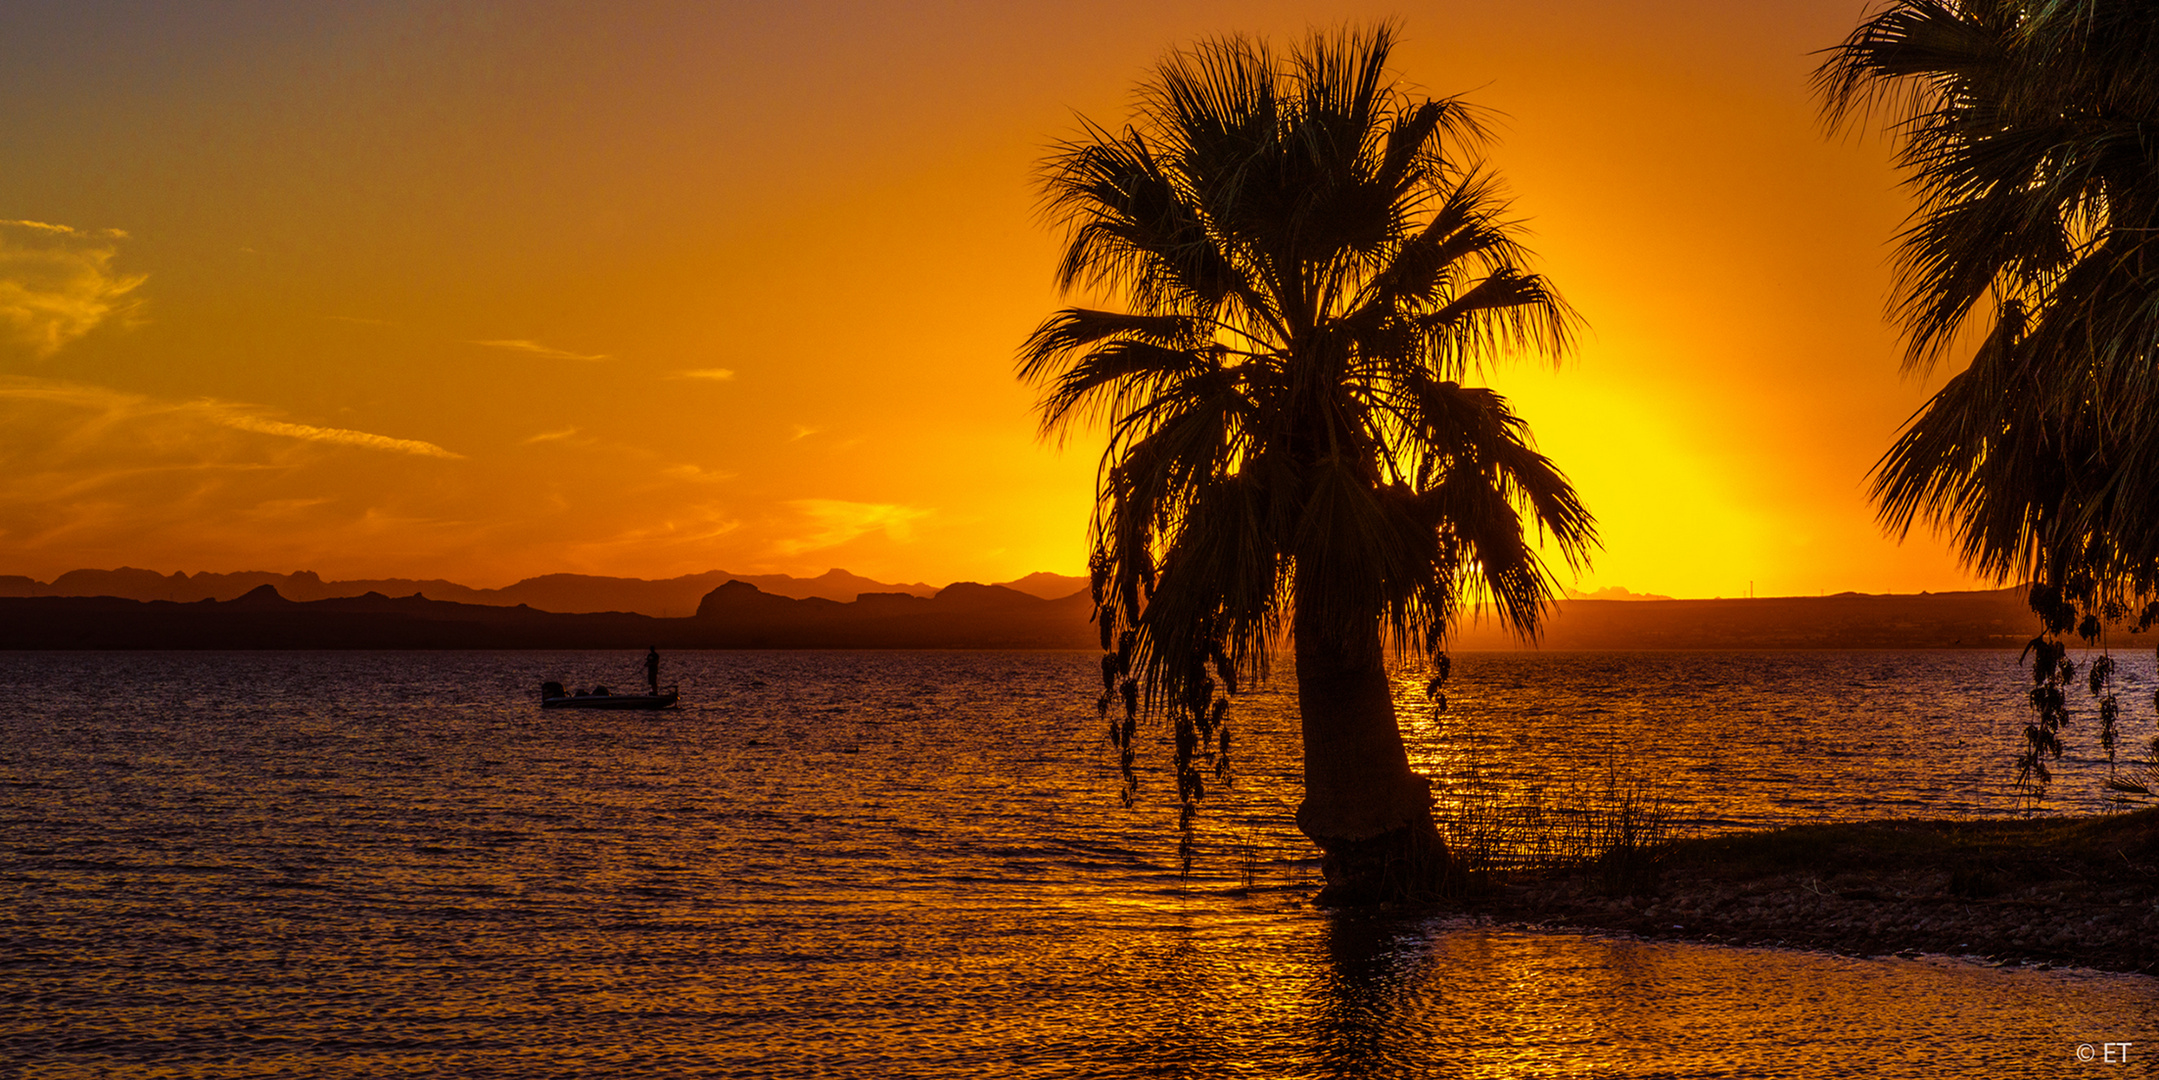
[{"x": 915, "y": 864}]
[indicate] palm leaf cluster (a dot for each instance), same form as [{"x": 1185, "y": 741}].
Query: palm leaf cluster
[
  {"x": 2030, "y": 132},
  {"x": 1307, "y": 262}
]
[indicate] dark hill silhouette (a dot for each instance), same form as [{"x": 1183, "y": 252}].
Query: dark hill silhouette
[
  {"x": 971, "y": 596},
  {"x": 1991, "y": 619},
  {"x": 741, "y": 600},
  {"x": 663, "y": 597},
  {"x": 965, "y": 616},
  {"x": 738, "y": 614},
  {"x": 734, "y": 615},
  {"x": 262, "y": 598},
  {"x": 1047, "y": 586},
  {"x": 666, "y": 597}
]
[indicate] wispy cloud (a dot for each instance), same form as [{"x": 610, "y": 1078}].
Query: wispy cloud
[
  {"x": 57, "y": 283},
  {"x": 241, "y": 421},
  {"x": 693, "y": 525},
  {"x": 833, "y": 522},
  {"x": 697, "y": 474},
  {"x": 116, "y": 406},
  {"x": 81, "y": 395},
  {"x": 537, "y": 349},
  {"x": 714, "y": 374},
  {"x": 44, "y": 226},
  {"x": 552, "y": 436},
  {"x": 802, "y": 431},
  {"x": 95, "y": 475}
]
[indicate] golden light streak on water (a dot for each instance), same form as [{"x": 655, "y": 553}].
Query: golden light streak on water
[{"x": 841, "y": 864}]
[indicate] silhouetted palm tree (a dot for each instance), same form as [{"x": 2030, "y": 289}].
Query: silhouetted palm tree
[
  {"x": 2030, "y": 129},
  {"x": 1308, "y": 261}
]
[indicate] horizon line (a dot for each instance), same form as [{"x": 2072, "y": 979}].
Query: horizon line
[{"x": 1627, "y": 595}]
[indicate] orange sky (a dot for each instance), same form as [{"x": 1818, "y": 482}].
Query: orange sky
[{"x": 486, "y": 291}]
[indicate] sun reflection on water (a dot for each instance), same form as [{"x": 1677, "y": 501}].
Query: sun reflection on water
[{"x": 915, "y": 864}]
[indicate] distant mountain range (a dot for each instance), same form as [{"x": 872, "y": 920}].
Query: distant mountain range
[
  {"x": 735, "y": 615},
  {"x": 738, "y": 613},
  {"x": 568, "y": 593},
  {"x": 1613, "y": 592},
  {"x": 1998, "y": 618}
]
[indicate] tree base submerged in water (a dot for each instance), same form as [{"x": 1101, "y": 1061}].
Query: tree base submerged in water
[
  {"x": 1367, "y": 809},
  {"x": 1407, "y": 863}
]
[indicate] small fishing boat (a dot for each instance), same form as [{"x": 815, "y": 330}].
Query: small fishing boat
[{"x": 553, "y": 696}]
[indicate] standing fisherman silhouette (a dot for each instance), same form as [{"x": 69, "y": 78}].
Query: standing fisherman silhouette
[{"x": 652, "y": 668}]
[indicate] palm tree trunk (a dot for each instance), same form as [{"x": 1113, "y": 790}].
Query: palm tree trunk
[{"x": 1368, "y": 811}]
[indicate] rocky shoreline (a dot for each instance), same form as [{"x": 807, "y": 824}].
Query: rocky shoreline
[{"x": 2050, "y": 891}]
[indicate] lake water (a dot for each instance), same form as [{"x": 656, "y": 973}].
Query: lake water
[{"x": 915, "y": 864}]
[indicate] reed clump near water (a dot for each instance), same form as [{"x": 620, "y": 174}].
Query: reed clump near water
[{"x": 1620, "y": 829}]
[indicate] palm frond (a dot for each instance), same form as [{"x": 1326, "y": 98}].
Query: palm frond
[
  {"x": 2025, "y": 129},
  {"x": 1305, "y": 249}
]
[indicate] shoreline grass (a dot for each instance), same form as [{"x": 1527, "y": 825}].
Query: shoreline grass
[
  {"x": 1620, "y": 827},
  {"x": 2067, "y": 890}
]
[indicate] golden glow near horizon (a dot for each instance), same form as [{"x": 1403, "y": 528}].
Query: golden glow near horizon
[{"x": 482, "y": 292}]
